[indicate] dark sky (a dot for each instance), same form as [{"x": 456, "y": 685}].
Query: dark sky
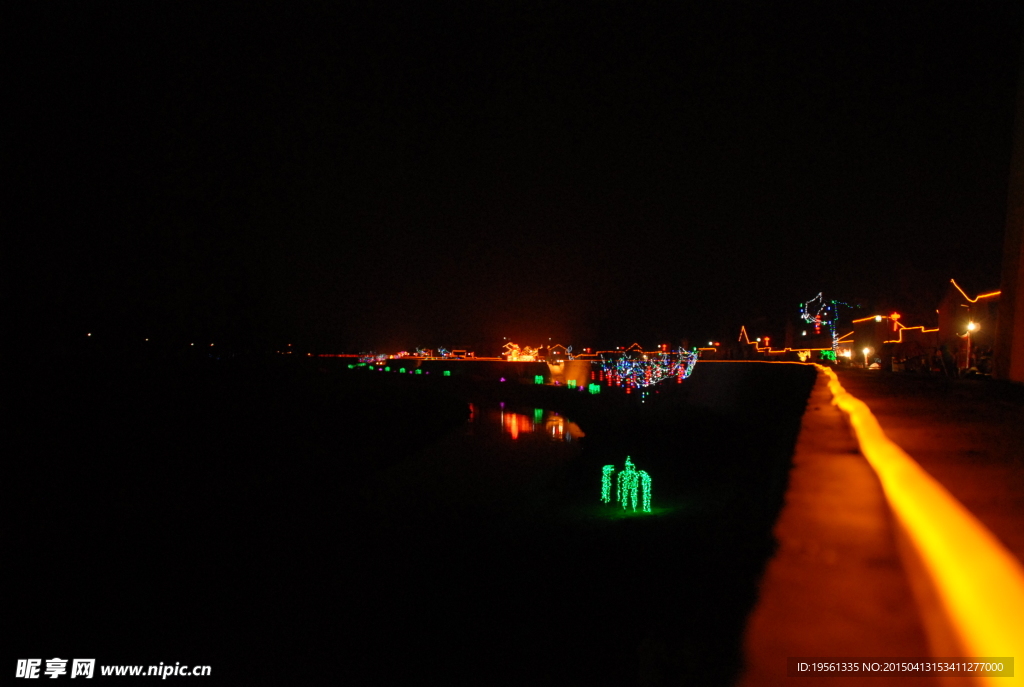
[{"x": 445, "y": 177}]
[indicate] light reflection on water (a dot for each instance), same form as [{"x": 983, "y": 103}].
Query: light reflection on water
[{"x": 533, "y": 425}]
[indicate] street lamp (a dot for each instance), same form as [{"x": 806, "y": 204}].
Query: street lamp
[
  {"x": 971, "y": 327},
  {"x": 866, "y": 351}
]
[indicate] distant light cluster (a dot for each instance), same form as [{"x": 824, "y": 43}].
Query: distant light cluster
[
  {"x": 636, "y": 369},
  {"x": 523, "y": 355}
]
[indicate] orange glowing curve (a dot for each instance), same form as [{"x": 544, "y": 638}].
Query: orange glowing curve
[
  {"x": 779, "y": 351},
  {"x": 990, "y": 294},
  {"x": 903, "y": 329},
  {"x": 979, "y": 584}
]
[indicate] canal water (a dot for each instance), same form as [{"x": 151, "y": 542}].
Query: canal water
[
  {"x": 283, "y": 525},
  {"x": 493, "y": 560}
]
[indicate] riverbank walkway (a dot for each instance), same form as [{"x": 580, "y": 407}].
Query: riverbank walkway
[{"x": 848, "y": 580}]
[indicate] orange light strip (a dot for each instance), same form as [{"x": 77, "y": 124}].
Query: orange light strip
[
  {"x": 903, "y": 329},
  {"x": 978, "y": 583},
  {"x": 990, "y": 294},
  {"x": 842, "y": 339},
  {"x": 865, "y": 319}
]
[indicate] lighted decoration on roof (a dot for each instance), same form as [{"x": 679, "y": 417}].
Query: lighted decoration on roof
[
  {"x": 990, "y": 294},
  {"x": 372, "y": 358},
  {"x": 523, "y": 355},
  {"x": 636, "y": 368},
  {"x": 629, "y": 484},
  {"x": 422, "y": 353},
  {"x": 818, "y": 312},
  {"x": 560, "y": 352}
]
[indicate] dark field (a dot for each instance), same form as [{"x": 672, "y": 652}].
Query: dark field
[{"x": 288, "y": 523}]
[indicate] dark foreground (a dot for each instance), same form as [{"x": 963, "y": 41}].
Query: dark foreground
[{"x": 285, "y": 524}]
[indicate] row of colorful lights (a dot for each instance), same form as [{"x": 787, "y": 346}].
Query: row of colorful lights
[
  {"x": 641, "y": 369},
  {"x": 626, "y": 372}
]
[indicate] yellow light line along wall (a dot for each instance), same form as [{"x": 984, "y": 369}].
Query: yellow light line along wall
[{"x": 977, "y": 583}]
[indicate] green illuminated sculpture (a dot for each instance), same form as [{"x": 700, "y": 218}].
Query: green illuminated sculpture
[{"x": 629, "y": 484}]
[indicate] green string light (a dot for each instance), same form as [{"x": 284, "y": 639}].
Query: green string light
[
  {"x": 447, "y": 373},
  {"x": 629, "y": 485},
  {"x": 538, "y": 379},
  {"x": 594, "y": 388},
  {"x": 606, "y": 483}
]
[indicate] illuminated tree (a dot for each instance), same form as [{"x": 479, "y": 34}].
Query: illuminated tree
[{"x": 630, "y": 484}]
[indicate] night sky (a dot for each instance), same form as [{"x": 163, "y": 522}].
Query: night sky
[{"x": 348, "y": 179}]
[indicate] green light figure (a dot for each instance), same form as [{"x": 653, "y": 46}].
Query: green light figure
[
  {"x": 629, "y": 484},
  {"x": 606, "y": 483}
]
